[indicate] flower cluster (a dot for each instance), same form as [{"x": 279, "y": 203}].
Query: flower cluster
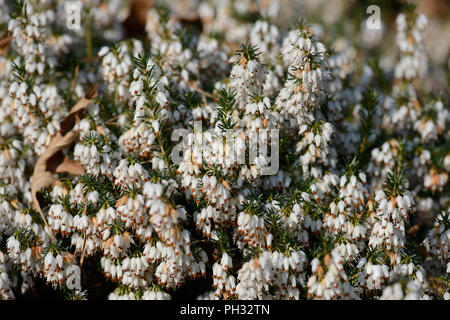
[{"x": 222, "y": 152}]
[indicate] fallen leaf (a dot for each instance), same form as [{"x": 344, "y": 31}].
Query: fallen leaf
[
  {"x": 5, "y": 43},
  {"x": 77, "y": 110},
  {"x": 52, "y": 160}
]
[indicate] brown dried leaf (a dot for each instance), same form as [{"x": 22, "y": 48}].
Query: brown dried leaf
[
  {"x": 53, "y": 160},
  {"x": 5, "y": 43},
  {"x": 77, "y": 110}
]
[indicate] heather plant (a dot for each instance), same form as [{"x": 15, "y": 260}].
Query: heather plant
[{"x": 221, "y": 153}]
